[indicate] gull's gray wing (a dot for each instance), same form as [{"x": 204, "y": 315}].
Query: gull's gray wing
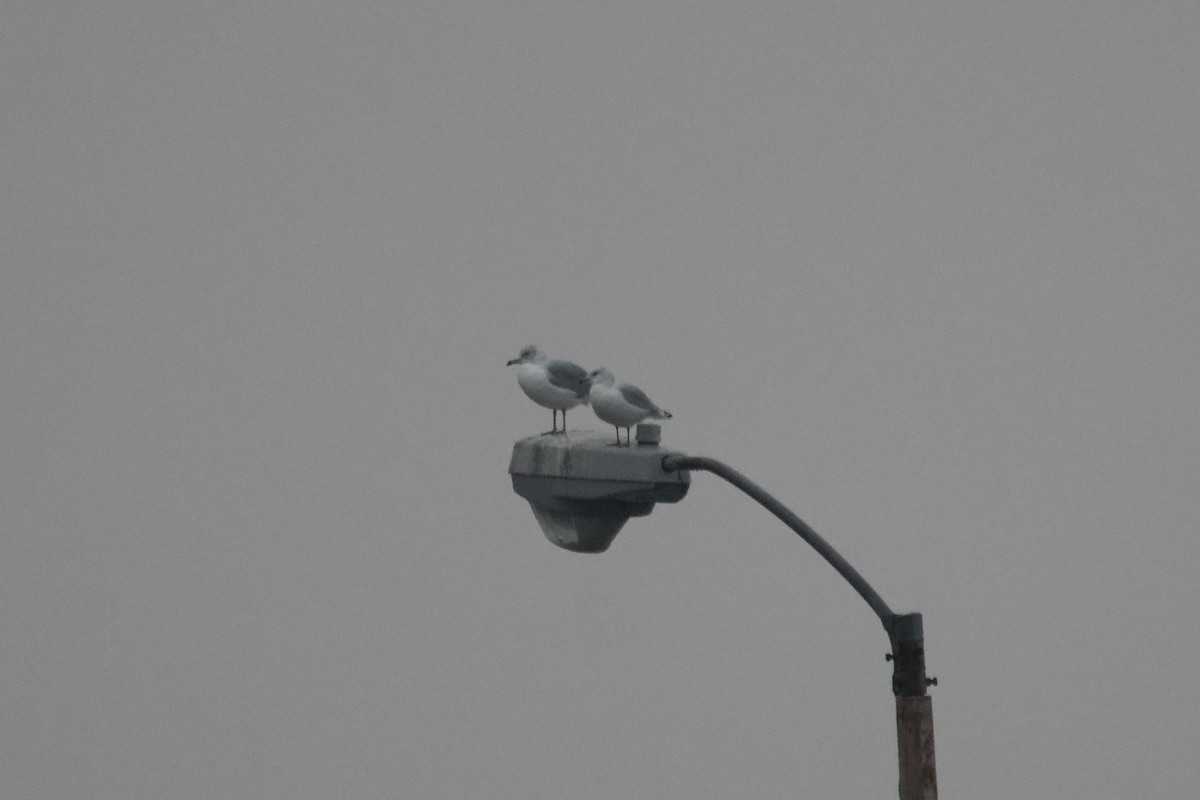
[
  {"x": 636, "y": 397},
  {"x": 570, "y": 376}
]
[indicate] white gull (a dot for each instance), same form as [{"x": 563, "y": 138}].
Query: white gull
[
  {"x": 621, "y": 405},
  {"x": 557, "y": 385}
]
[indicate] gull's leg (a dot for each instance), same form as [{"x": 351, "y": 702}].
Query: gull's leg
[
  {"x": 617, "y": 428},
  {"x": 564, "y": 427}
]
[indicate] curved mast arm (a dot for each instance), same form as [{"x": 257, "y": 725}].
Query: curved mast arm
[{"x": 768, "y": 501}]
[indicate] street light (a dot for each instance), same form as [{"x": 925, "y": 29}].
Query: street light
[{"x": 582, "y": 490}]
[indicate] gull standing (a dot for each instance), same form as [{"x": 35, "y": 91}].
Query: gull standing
[
  {"x": 557, "y": 385},
  {"x": 621, "y": 405}
]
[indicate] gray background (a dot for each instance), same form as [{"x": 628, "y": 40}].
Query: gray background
[{"x": 928, "y": 272}]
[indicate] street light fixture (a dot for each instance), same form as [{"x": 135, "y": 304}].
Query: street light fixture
[{"x": 582, "y": 490}]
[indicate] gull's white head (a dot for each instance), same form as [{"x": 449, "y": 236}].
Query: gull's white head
[
  {"x": 602, "y": 376},
  {"x": 530, "y": 354}
]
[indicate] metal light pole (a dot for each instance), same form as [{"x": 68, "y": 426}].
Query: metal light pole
[
  {"x": 914, "y": 708},
  {"x": 583, "y": 490}
]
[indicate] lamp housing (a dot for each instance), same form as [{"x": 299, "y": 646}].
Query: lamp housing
[{"x": 583, "y": 487}]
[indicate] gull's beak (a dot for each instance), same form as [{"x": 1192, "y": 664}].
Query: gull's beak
[{"x": 514, "y": 361}]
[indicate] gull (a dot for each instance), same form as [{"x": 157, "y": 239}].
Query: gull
[
  {"x": 621, "y": 405},
  {"x": 557, "y": 385}
]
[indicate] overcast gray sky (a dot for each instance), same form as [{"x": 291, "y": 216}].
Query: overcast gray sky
[{"x": 928, "y": 272}]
